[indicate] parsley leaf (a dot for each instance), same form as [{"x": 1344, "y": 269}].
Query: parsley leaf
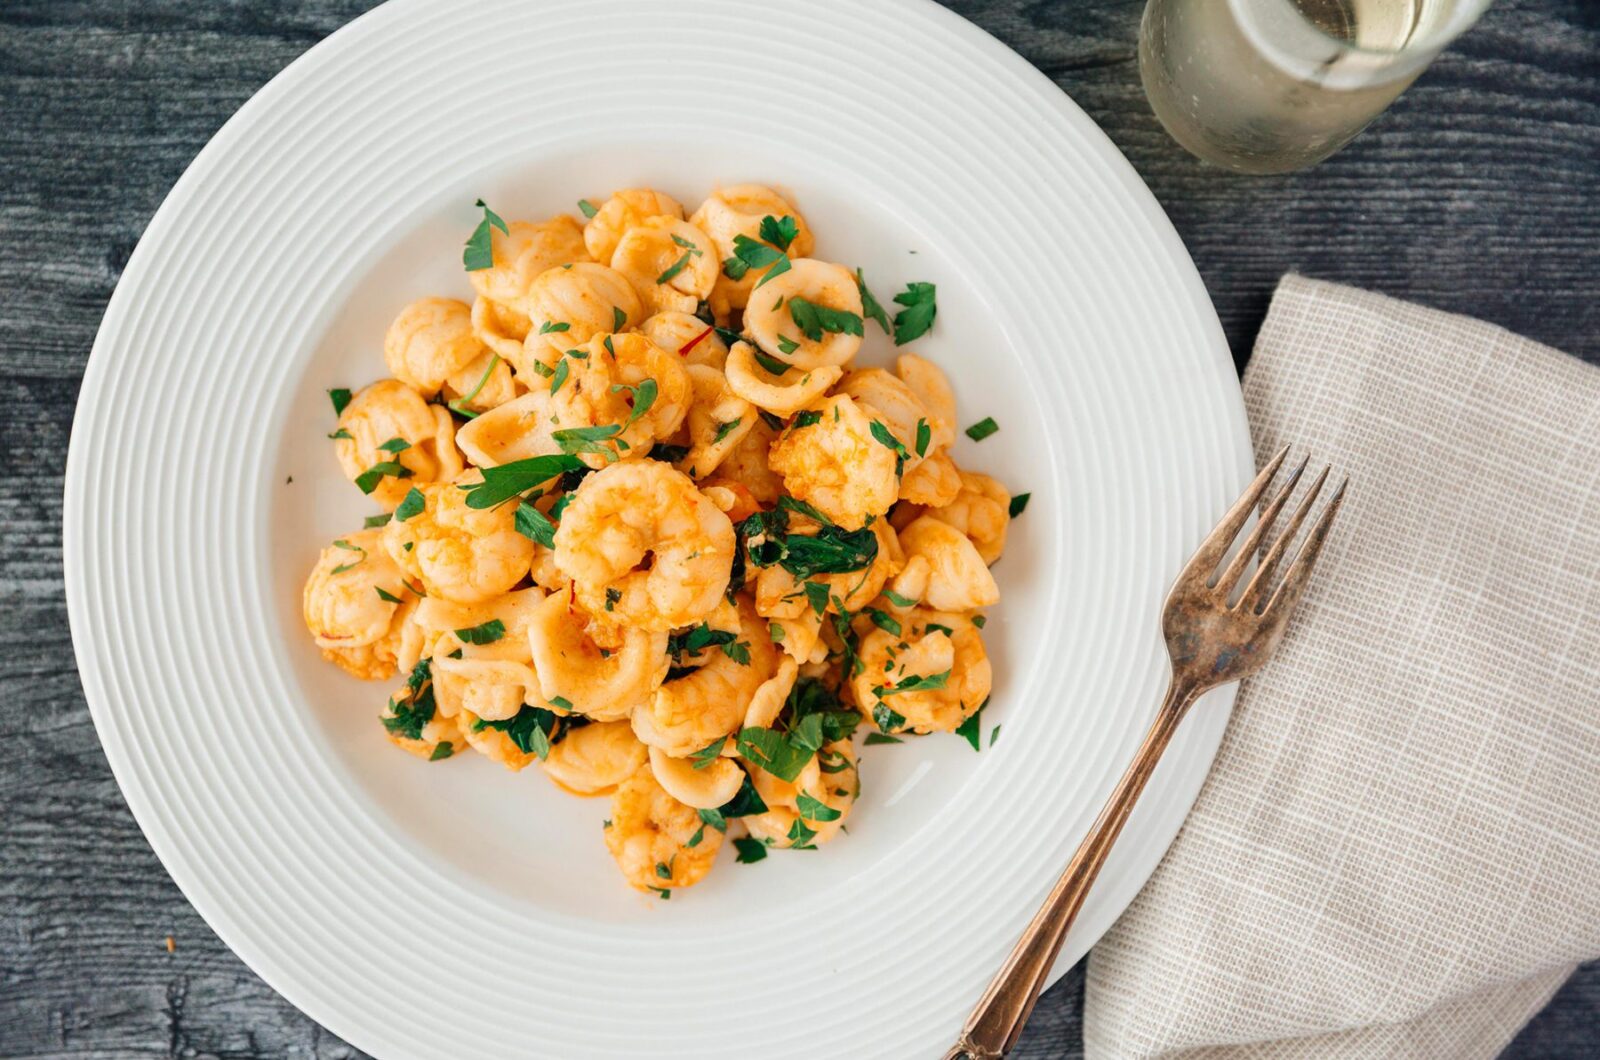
[
  {"x": 386, "y": 596},
  {"x": 815, "y": 809},
  {"x": 746, "y": 802},
  {"x": 813, "y": 319},
  {"x": 1019, "y": 504},
  {"x": 870, "y": 306},
  {"x": 589, "y": 209},
  {"x": 677, "y": 266},
  {"x": 914, "y": 683},
  {"x": 484, "y": 633},
  {"x": 969, "y": 728},
  {"x": 554, "y": 325},
  {"x": 887, "y": 439},
  {"x": 982, "y": 429},
  {"x": 750, "y": 850},
  {"x": 368, "y": 480},
  {"x": 924, "y": 436},
  {"x": 559, "y": 376},
  {"x": 738, "y": 651},
  {"x": 734, "y": 269},
  {"x": 413, "y": 505},
  {"x": 771, "y": 364},
  {"x": 884, "y": 621},
  {"x": 914, "y": 321},
  {"x": 502, "y": 483},
  {"x": 725, "y": 429},
  {"x": 341, "y": 433},
  {"x": 534, "y": 729},
  {"x": 817, "y": 596},
  {"x": 772, "y": 751},
  {"x": 800, "y": 836},
  {"x": 535, "y": 525},
  {"x": 479, "y": 252},
  {"x": 880, "y": 737},
  {"x": 340, "y": 396},
  {"x": 348, "y": 547},
  {"x": 373, "y": 521},
  {"x": 887, "y": 720},
  {"x": 754, "y": 255},
  {"x": 780, "y": 232},
  {"x": 442, "y": 750},
  {"x": 413, "y": 708},
  {"x": 705, "y": 756},
  {"x": 459, "y": 405},
  {"x": 395, "y": 445},
  {"x": 897, "y": 600},
  {"x": 643, "y": 396},
  {"x": 619, "y": 320}
]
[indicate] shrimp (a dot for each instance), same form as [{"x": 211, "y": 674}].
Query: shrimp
[
  {"x": 629, "y": 388},
  {"x": 670, "y": 262},
  {"x": 356, "y": 604},
  {"x": 775, "y": 316},
  {"x": 785, "y": 393},
  {"x": 770, "y": 696},
  {"x": 933, "y": 482},
  {"x": 829, "y": 458},
  {"x": 687, "y": 336},
  {"x": 737, "y": 211},
  {"x": 933, "y": 392},
  {"x": 718, "y": 421},
  {"x": 465, "y": 555},
  {"x": 620, "y": 213},
  {"x": 650, "y": 835},
  {"x": 390, "y": 439},
  {"x": 890, "y": 402},
  {"x": 644, "y": 532},
  {"x": 514, "y": 431},
  {"x": 745, "y": 467},
  {"x": 430, "y": 341},
  {"x": 594, "y": 759},
  {"x": 981, "y": 510},
  {"x": 524, "y": 251},
  {"x": 493, "y": 741},
  {"x": 603, "y": 682},
  {"x": 830, "y": 782},
  {"x": 930, "y": 677},
  {"x": 490, "y": 673},
  {"x": 958, "y": 578},
  {"x": 566, "y": 307},
  {"x": 696, "y": 710}
]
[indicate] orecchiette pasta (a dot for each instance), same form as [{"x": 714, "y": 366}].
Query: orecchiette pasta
[{"x": 652, "y": 528}]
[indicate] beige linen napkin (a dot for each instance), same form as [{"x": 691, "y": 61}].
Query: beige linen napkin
[{"x": 1397, "y": 853}]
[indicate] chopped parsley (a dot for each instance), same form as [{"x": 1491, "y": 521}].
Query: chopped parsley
[
  {"x": 534, "y": 730},
  {"x": 881, "y": 737},
  {"x": 395, "y": 445},
  {"x": 884, "y": 621},
  {"x": 979, "y": 621},
  {"x": 662, "y": 893},
  {"x": 372, "y": 522},
  {"x": 800, "y": 836},
  {"x": 677, "y": 266},
  {"x": 887, "y": 720},
  {"x": 413, "y": 708},
  {"x": 612, "y": 598},
  {"x": 813, "y": 319},
  {"x": 750, "y": 850},
  {"x": 348, "y": 547},
  {"x": 368, "y": 480},
  {"x": 502, "y": 483},
  {"x": 588, "y": 208},
  {"x": 970, "y": 730},
  {"x": 535, "y": 525},
  {"x": 982, "y": 429},
  {"x": 916, "y": 318},
  {"x": 897, "y": 600},
  {"x": 749, "y": 254},
  {"x": 619, "y": 320},
  {"x": 725, "y": 429},
  {"x": 708, "y": 754},
  {"x": 775, "y": 632},
  {"x": 746, "y": 802},
  {"x": 341, "y": 433},
  {"x": 559, "y": 376},
  {"x": 479, "y": 252},
  {"x": 780, "y": 231},
  {"x": 554, "y": 325},
  {"x": 914, "y": 683},
  {"x": 340, "y": 396},
  {"x": 641, "y": 396},
  {"x": 413, "y": 505},
  {"x": 713, "y": 819},
  {"x": 887, "y": 439},
  {"x": 924, "y": 436},
  {"x": 484, "y": 633},
  {"x": 459, "y": 405},
  {"x": 871, "y": 307},
  {"x": 815, "y": 809},
  {"x": 386, "y": 596},
  {"x": 772, "y": 365},
  {"x": 1019, "y": 504},
  {"x": 442, "y": 750},
  {"x": 831, "y": 550},
  {"x": 817, "y": 596}
]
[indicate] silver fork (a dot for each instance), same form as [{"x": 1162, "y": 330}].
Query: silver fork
[{"x": 1213, "y": 636}]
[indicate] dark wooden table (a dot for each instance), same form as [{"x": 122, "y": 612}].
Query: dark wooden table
[{"x": 1479, "y": 192}]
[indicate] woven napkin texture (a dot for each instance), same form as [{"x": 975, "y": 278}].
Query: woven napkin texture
[{"x": 1397, "y": 853}]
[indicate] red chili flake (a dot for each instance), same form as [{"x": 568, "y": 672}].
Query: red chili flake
[{"x": 692, "y": 343}]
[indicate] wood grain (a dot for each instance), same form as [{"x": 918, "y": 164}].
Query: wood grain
[{"x": 1479, "y": 192}]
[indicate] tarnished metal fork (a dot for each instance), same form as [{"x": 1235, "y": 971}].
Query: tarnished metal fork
[{"x": 1214, "y": 635}]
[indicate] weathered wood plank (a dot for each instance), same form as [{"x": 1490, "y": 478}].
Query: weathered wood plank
[{"x": 1479, "y": 192}]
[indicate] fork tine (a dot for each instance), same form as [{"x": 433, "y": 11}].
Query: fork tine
[
  {"x": 1215, "y": 546},
  {"x": 1260, "y": 584},
  {"x": 1299, "y": 572},
  {"x": 1230, "y": 577}
]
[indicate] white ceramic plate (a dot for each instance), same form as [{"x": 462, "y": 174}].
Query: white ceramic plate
[{"x": 459, "y": 910}]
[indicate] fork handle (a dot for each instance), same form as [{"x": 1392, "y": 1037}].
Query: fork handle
[{"x": 992, "y": 1029}]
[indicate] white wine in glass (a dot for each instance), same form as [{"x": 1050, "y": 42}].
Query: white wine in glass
[{"x": 1269, "y": 86}]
